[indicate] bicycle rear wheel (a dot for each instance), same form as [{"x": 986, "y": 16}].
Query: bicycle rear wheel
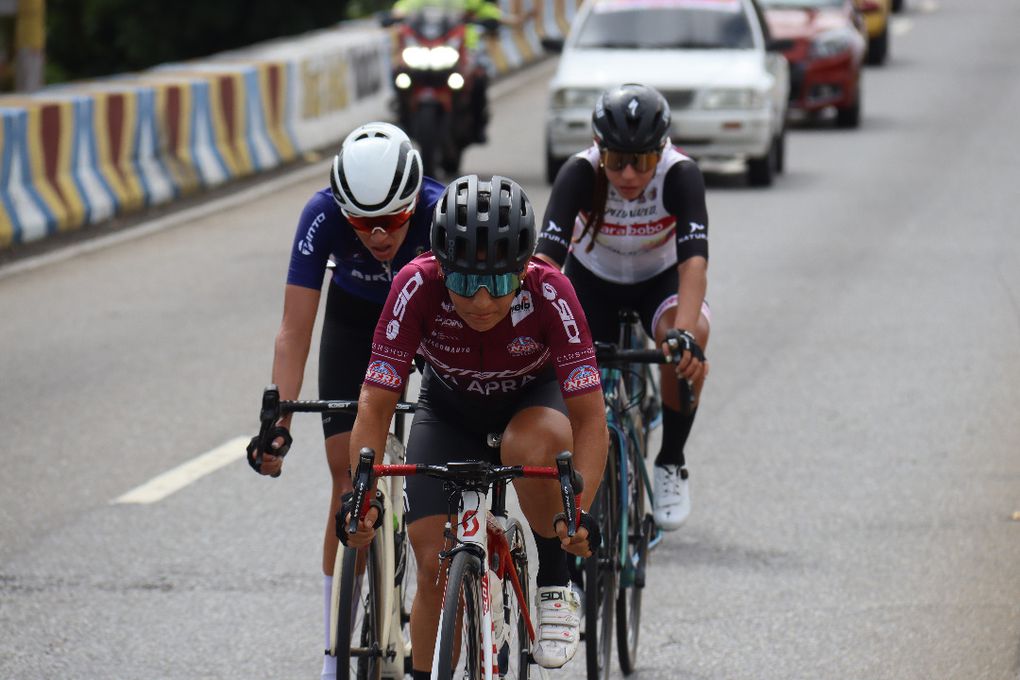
[
  {"x": 358, "y": 641},
  {"x": 628, "y": 601},
  {"x": 600, "y": 582},
  {"x": 462, "y": 652}
]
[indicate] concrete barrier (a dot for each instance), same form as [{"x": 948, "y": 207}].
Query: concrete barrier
[{"x": 81, "y": 153}]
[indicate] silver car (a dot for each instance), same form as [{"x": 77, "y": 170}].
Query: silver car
[{"x": 726, "y": 82}]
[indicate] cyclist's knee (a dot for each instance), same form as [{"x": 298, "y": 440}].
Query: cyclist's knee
[
  {"x": 427, "y": 541},
  {"x": 539, "y": 435}
]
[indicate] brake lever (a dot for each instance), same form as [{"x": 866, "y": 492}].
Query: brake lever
[
  {"x": 362, "y": 483},
  {"x": 571, "y": 486},
  {"x": 268, "y": 415}
]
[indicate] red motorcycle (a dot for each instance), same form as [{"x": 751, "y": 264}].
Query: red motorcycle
[{"x": 438, "y": 85}]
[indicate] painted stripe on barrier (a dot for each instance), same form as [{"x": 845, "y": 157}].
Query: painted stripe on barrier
[
  {"x": 114, "y": 116},
  {"x": 273, "y": 89},
  {"x": 100, "y": 198},
  {"x": 149, "y": 166},
  {"x": 47, "y": 150},
  {"x": 32, "y": 217},
  {"x": 208, "y": 161},
  {"x": 263, "y": 155}
]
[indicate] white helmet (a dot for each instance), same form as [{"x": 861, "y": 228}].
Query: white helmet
[{"x": 377, "y": 172}]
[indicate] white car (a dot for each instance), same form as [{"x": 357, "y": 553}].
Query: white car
[{"x": 726, "y": 82}]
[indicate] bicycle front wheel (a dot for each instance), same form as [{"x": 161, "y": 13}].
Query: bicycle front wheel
[
  {"x": 462, "y": 652},
  {"x": 513, "y": 646},
  {"x": 358, "y": 644},
  {"x": 635, "y": 558},
  {"x": 600, "y": 582}
]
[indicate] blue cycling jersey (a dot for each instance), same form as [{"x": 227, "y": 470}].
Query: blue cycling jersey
[{"x": 323, "y": 231}]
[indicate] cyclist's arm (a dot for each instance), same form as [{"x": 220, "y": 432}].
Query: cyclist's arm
[
  {"x": 571, "y": 193},
  {"x": 587, "y": 414},
  {"x": 293, "y": 340},
  {"x": 684, "y": 197},
  {"x": 375, "y": 411}
]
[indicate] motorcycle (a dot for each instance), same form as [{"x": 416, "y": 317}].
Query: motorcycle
[{"x": 436, "y": 77}]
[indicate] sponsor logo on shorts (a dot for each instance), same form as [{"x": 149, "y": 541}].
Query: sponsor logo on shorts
[
  {"x": 522, "y": 346},
  {"x": 384, "y": 373},
  {"x": 581, "y": 378}
]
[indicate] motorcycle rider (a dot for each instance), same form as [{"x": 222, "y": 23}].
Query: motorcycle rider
[{"x": 475, "y": 12}]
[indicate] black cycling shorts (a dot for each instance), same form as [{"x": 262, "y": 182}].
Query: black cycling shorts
[
  {"x": 602, "y": 300},
  {"x": 345, "y": 347},
  {"x": 450, "y": 426}
]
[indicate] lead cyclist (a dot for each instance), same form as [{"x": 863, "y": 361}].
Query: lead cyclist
[
  {"x": 628, "y": 222},
  {"x": 507, "y": 350}
]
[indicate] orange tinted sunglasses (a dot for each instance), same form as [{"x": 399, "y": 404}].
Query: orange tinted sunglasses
[
  {"x": 618, "y": 160},
  {"x": 387, "y": 223}
]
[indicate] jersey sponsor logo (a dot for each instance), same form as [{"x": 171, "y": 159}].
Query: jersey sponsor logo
[
  {"x": 383, "y": 373},
  {"x": 575, "y": 357},
  {"x": 521, "y": 308},
  {"x": 548, "y": 292},
  {"x": 448, "y": 348},
  {"x": 447, "y": 306},
  {"x": 305, "y": 245},
  {"x": 697, "y": 227},
  {"x": 522, "y": 346},
  {"x": 448, "y": 323},
  {"x": 391, "y": 352},
  {"x": 581, "y": 378},
  {"x": 552, "y": 226},
  {"x": 392, "y": 329},
  {"x": 405, "y": 295},
  {"x": 569, "y": 322},
  {"x": 381, "y": 276},
  {"x": 487, "y": 387}
]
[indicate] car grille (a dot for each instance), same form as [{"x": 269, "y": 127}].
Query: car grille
[{"x": 679, "y": 99}]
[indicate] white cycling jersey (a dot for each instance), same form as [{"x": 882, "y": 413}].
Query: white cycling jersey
[{"x": 638, "y": 238}]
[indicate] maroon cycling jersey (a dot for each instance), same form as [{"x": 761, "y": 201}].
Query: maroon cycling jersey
[{"x": 545, "y": 328}]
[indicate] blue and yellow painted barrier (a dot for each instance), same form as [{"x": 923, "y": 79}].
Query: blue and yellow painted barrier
[{"x": 82, "y": 153}]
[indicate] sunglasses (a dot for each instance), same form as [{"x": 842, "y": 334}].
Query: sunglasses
[
  {"x": 498, "y": 285},
  {"x": 618, "y": 160},
  {"x": 387, "y": 223}
]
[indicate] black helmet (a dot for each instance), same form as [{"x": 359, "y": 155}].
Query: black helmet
[
  {"x": 631, "y": 118},
  {"x": 483, "y": 227}
]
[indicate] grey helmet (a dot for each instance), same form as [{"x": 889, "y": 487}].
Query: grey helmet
[
  {"x": 483, "y": 227},
  {"x": 631, "y": 118}
]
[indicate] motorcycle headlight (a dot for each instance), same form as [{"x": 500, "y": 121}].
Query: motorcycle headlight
[
  {"x": 742, "y": 98},
  {"x": 831, "y": 44},
  {"x": 570, "y": 98},
  {"x": 416, "y": 57},
  {"x": 443, "y": 57}
]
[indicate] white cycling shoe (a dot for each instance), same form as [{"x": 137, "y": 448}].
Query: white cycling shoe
[
  {"x": 559, "y": 623},
  {"x": 672, "y": 496}
]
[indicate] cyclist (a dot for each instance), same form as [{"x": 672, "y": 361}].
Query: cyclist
[
  {"x": 627, "y": 220},
  {"x": 507, "y": 350},
  {"x": 372, "y": 219}
]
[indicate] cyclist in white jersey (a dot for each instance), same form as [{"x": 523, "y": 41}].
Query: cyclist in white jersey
[{"x": 628, "y": 223}]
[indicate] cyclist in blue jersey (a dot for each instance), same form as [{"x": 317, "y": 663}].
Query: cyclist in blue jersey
[{"x": 372, "y": 220}]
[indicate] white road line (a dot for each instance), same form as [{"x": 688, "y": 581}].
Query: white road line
[{"x": 174, "y": 480}]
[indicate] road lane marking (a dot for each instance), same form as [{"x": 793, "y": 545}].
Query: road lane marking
[{"x": 171, "y": 481}]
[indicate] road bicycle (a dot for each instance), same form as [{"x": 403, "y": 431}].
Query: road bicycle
[
  {"x": 373, "y": 587},
  {"x": 485, "y": 627},
  {"x": 614, "y": 577}
]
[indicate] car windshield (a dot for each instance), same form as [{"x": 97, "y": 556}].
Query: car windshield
[
  {"x": 801, "y": 4},
  {"x": 666, "y": 24}
]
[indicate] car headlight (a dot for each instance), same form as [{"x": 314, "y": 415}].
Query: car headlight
[
  {"x": 742, "y": 98},
  {"x": 831, "y": 44},
  {"x": 435, "y": 58},
  {"x": 570, "y": 98}
]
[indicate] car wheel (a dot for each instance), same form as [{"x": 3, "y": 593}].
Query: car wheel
[
  {"x": 761, "y": 171},
  {"x": 850, "y": 116},
  {"x": 552, "y": 166},
  {"x": 878, "y": 47},
  {"x": 897, "y": 5},
  {"x": 781, "y": 153}
]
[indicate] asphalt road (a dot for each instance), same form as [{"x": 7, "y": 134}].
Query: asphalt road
[{"x": 855, "y": 467}]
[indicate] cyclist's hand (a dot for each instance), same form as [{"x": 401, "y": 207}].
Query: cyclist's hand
[
  {"x": 272, "y": 461},
  {"x": 366, "y": 529},
  {"x": 577, "y": 544},
  {"x": 692, "y": 365}
]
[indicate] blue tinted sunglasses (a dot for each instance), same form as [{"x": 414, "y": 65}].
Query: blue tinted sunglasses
[{"x": 498, "y": 285}]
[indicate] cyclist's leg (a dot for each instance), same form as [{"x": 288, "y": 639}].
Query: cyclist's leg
[
  {"x": 344, "y": 350},
  {"x": 434, "y": 435},
  {"x": 537, "y": 432}
]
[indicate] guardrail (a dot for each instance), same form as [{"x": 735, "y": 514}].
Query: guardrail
[{"x": 82, "y": 153}]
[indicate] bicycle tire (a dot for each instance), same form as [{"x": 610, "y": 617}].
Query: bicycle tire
[
  {"x": 600, "y": 571},
  {"x": 514, "y": 655},
  {"x": 359, "y": 614},
  {"x": 463, "y": 584},
  {"x": 628, "y": 601}
]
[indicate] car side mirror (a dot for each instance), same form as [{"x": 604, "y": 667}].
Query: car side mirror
[{"x": 552, "y": 44}]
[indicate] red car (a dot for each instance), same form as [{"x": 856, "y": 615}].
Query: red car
[{"x": 825, "y": 42}]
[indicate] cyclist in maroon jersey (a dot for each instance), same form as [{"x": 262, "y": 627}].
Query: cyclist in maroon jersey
[{"x": 507, "y": 350}]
